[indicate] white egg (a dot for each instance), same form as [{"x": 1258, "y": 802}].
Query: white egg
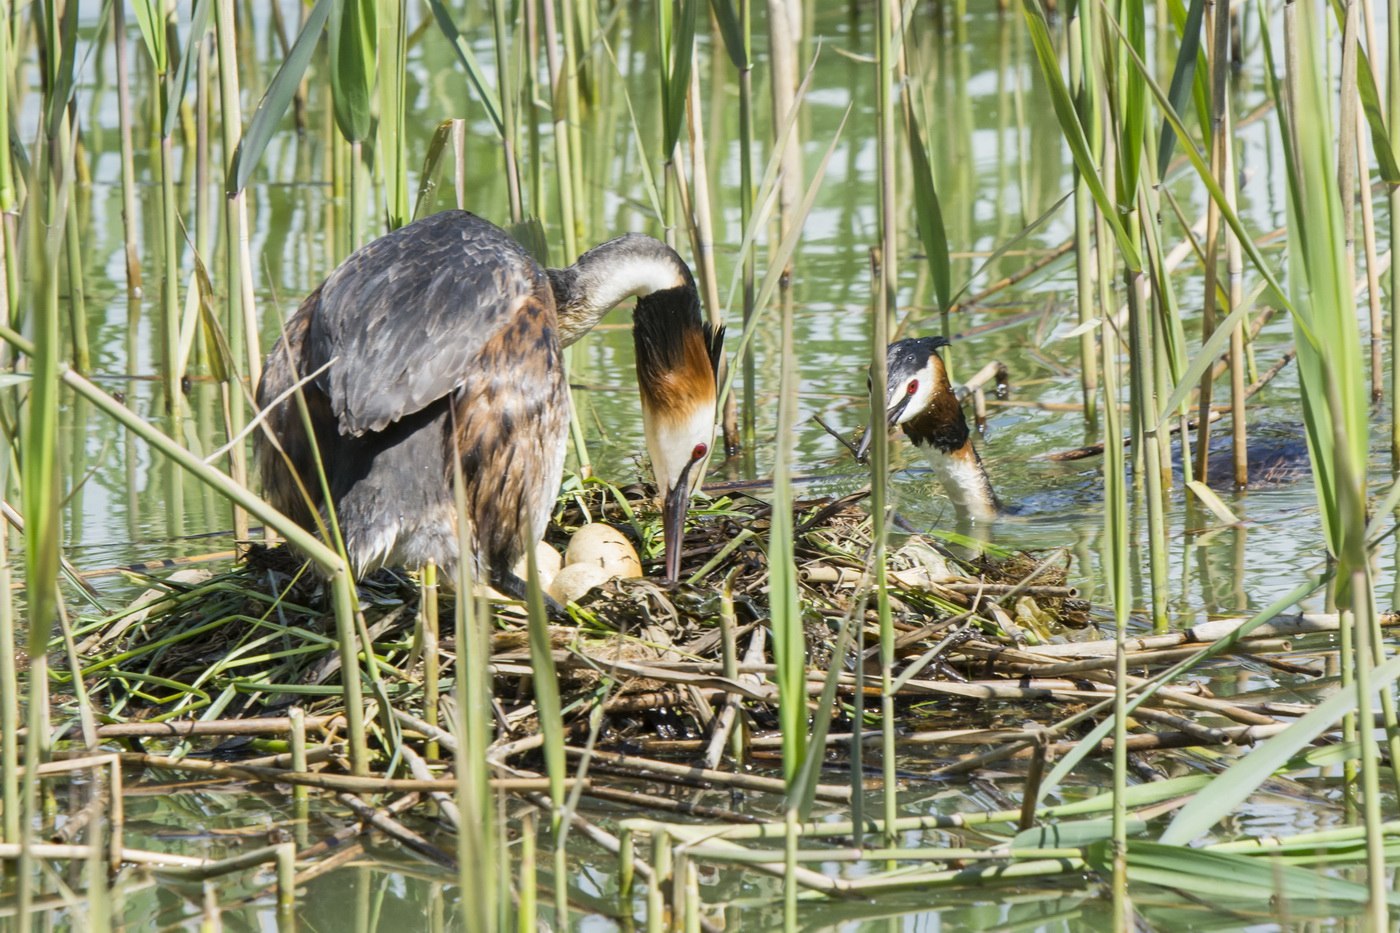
[
  {"x": 605, "y": 547},
  {"x": 547, "y": 561},
  {"x": 575, "y": 580}
]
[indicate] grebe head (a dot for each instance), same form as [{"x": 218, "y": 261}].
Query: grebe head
[
  {"x": 678, "y": 356},
  {"x": 916, "y": 380}
]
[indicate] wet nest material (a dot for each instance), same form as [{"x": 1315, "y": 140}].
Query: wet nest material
[
  {"x": 677, "y": 685},
  {"x": 264, "y": 629}
]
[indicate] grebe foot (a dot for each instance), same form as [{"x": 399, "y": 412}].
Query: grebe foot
[{"x": 513, "y": 586}]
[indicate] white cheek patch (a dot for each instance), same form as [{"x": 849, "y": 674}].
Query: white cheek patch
[
  {"x": 672, "y": 441},
  {"x": 920, "y": 398}
]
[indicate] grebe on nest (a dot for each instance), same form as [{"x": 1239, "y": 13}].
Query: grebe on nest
[
  {"x": 441, "y": 342},
  {"x": 921, "y": 401}
]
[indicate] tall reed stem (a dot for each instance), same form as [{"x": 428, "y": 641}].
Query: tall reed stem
[
  {"x": 1392, "y": 82},
  {"x": 505, "y": 71},
  {"x": 392, "y": 151},
  {"x": 886, "y": 306},
  {"x": 746, "y": 212},
  {"x": 241, "y": 315},
  {"x": 1082, "y": 81}
]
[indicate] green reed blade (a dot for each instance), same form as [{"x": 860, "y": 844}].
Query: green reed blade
[
  {"x": 789, "y": 631},
  {"x": 1233, "y": 786},
  {"x": 1209, "y": 875},
  {"x": 353, "y": 29},
  {"x": 677, "y": 44},
  {"x": 478, "y": 841},
  {"x": 199, "y": 23},
  {"x": 649, "y": 186},
  {"x": 392, "y": 148},
  {"x": 731, "y": 29},
  {"x": 276, "y": 99},
  {"x": 1207, "y": 178},
  {"x": 1130, "y": 90},
  {"x": 778, "y": 262},
  {"x": 1183, "y": 77},
  {"x": 60, "y": 57},
  {"x": 428, "y": 183},
  {"x": 9, "y": 674},
  {"x": 1206, "y": 355},
  {"x": 1326, "y": 330},
  {"x": 39, "y": 470},
  {"x": 467, "y": 57},
  {"x": 507, "y": 67},
  {"x": 932, "y": 232},
  {"x": 1370, "y": 97},
  {"x": 546, "y": 687},
  {"x": 1084, "y": 83},
  {"x": 1073, "y": 130},
  {"x": 150, "y": 18}
]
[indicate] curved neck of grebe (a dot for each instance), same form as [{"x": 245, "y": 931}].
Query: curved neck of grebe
[
  {"x": 631, "y": 265},
  {"x": 965, "y": 480}
]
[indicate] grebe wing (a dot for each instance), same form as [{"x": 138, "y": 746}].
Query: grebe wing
[{"x": 406, "y": 316}]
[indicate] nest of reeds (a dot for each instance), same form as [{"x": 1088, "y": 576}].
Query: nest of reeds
[{"x": 658, "y": 659}]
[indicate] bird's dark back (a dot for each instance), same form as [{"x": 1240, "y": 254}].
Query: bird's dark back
[{"x": 406, "y": 315}]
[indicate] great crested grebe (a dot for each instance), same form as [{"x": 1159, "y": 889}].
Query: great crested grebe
[
  {"x": 441, "y": 341},
  {"x": 921, "y": 401}
]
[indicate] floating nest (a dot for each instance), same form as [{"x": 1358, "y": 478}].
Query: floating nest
[
  {"x": 669, "y": 690},
  {"x": 658, "y": 659}
]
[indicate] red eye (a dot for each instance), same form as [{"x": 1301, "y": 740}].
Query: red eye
[
  {"x": 913, "y": 386},
  {"x": 699, "y": 451}
]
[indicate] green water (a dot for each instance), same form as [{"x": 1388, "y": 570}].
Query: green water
[{"x": 999, "y": 165}]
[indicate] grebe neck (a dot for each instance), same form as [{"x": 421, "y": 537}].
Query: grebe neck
[{"x": 631, "y": 265}]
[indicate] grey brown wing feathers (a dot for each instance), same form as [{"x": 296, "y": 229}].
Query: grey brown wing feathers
[{"x": 406, "y": 315}]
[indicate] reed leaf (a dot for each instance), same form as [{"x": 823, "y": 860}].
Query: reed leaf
[
  {"x": 352, "y": 34},
  {"x": 438, "y": 146},
  {"x": 1325, "y": 327},
  {"x": 648, "y": 179},
  {"x": 1210, "y": 350},
  {"x": 1131, "y": 90},
  {"x": 1207, "y": 178},
  {"x": 489, "y": 98},
  {"x": 785, "y": 601},
  {"x": 199, "y": 23},
  {"x": 1233, "y": 786},
  {"x": 932, "y": 232},
  {"x": 392, "y": 151},
  {"x": 61, "y": 68},
  {"x": 150, "y": 17},
  {"x": 546, "y": 687},
  {"x": 778, "y": 261},
  {"x": 731, "y": 29},
  {"x": 478, "y": 841},
  {"x": 277, "y": 98},
  {"x": 677, "y": 21},
  {"x": 1374, "y": 109},
  {"x": 1213, "y": 502},
  {"x": 1073, "y": 130},
  {"x": 1183, "y": 76},
  {"x": 1219, "y": 875}
]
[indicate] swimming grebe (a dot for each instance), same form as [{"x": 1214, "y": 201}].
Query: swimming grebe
[{"x": 921, "y": 401}]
